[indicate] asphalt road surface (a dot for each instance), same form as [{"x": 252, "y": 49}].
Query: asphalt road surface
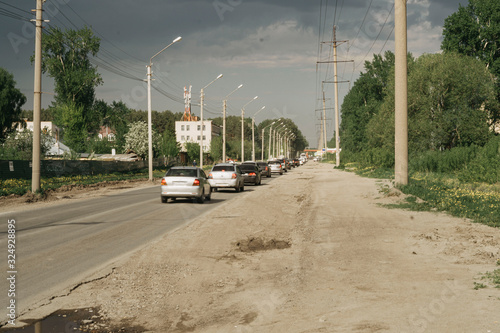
[{"x": 60, "y": 246}]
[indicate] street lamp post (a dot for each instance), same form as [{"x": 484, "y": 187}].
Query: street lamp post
[
  {"x": 150, "y": 130},
  {"x": 243, "y": 129},
  {"x": 276, "y": 140},
  {"x": 202, "y": 97},
  {"x": 224, "y": 106},
  {"x": 262, "y": 153},
  {"x": 271, "y": 139},
  {"x": 253, "y": 133}
]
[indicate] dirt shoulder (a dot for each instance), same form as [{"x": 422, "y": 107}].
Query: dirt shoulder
[{"x": 310, "y": 252}]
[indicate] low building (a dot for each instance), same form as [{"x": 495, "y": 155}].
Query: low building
[{"x": 190, "y": 131}]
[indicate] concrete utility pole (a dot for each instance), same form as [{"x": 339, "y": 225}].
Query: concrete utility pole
[
  {"x": 401, "y": 95},
  {"x": 335, "y": 43},
  {"x": 37, "y": 100},
  {"x": 325, "y": 144}
]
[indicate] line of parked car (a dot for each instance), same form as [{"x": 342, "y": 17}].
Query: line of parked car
[{"x": 193, "y": 182}]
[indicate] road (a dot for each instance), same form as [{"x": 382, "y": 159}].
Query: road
[{"x": 59, "y": 246}]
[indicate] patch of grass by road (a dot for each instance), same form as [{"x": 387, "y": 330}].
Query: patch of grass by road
[{"x": 429, "y": 191}]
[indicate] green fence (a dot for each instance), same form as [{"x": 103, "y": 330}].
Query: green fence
[{"x": 58, "y": 168}]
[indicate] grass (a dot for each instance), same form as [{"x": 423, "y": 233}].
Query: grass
[
  {"x": 23, "y": 186},
  {"x": 429, "y": 191},
  {"x": 493, "y": 278}
]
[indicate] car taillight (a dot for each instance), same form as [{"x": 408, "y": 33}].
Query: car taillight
[
  {"x": 196, "y": 182},
  {"x": 266, "y": 168},
  {"x": 252, "y": 174},
  {"x": 210, "y": 176},
  {"x": 163, "y": 181},
  {"x": 234, "y": 176},
  {"x": 280, "y": 166}
]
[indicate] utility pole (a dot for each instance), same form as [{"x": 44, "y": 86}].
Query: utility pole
[
  {"x": 401, "y": 95},
  {"x": 37, "y": 100},
  {"x": 335, "y": 43}
]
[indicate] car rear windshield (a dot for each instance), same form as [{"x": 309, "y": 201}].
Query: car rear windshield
[
  {"x": 274, "y": 162},
  {"x": 247, "y": 167},
  {"x": 229, "y": 168},
  {"x": 182, "y": 173}
]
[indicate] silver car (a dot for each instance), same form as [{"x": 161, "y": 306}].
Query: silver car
[
  {"x": 185, "y": 182},
  {"x": 275, "y": 166},
  {"x": 226, "y": 175}
]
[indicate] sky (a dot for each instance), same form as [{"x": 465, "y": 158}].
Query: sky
[{"x": 270, "y": 46}]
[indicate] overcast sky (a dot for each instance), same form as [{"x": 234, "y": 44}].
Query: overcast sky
[{"x": 270, "y": 46}]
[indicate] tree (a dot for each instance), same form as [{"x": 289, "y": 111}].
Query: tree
[
  {"x": 193, "y": 151},
  {"x": 450, "y": 97},
  {"x": 169, "y": 146},
  {"x": 70, "y": 118},
  {"x": 20, "y": 145},
  {"x": 11, "y": 101},
  {"x": 364, "y": 100},
  {"x": 216, "y": 148},
  {"x": 475, "y": 31},
  {"x": 65, "y": 57},
  {"x": 137, "y": 139}
]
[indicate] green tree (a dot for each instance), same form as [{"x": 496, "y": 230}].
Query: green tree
[
  {"x": 137, "y": 139},
  {"x": 66, "y": 58},
  {"x": 70, "y": 118},
  {"x": 474, "y": 30},
  {"x": 11, "y": 101},
  {"x": 193, "y": 152},
  {"x": 364, "y": 100},
  {"x": 216, "y": 148},
  {"x": 449, "y": 101},
  {"x": 20, "y": 145},
  {"x": 169, "y": 146}
]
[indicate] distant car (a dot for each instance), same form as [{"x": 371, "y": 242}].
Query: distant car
[
  {"x": 185, "y": 182},
  {"x": 265, "y": 169},
  {"x": 226, "y": 175},
  {"x": 251, "y": 173},
  {"x": 275, "y": 166}
]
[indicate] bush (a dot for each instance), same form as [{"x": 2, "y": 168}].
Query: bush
[
  {"x": 485, "y": 167},
  {"x": 453, "y": 160}
]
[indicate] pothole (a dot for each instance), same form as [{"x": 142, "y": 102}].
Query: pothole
[{"x": 254, "y": 244}]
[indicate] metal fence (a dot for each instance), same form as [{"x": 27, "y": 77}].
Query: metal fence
[{"x": 59, "y": 168}]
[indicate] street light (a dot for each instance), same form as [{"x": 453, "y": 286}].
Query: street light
[
  {"x": 224, "y": 124},
  {"x": 202, "y": 96},
  {"x": 150, "y": 131},
  {"x": 262, "y": 153},
  {"x": 275, "y": 138},
  {"x": 253, "y": 135},
  {"x": 243, "y": 129},
  {"x": 271, "y": 138}
]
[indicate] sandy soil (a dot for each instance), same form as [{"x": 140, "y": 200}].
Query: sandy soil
[{"x": 313, "y": 251}]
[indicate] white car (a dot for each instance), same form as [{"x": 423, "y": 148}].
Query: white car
[
  {"x": 226, "y": 175},
  {"x": 185, "y": 182}
]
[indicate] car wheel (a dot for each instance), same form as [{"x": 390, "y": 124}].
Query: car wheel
[
  {"x": 201, "y": 199},
  {"x": 242, "y": 188},
  {"x": 237, "y": 188},
  {"x": 269, "y": 176},
  {"x": 164, "y": 199},
  {"x": 209, "y": 196}
]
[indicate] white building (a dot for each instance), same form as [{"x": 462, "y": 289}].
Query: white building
[{"x": 190, "y": 131}]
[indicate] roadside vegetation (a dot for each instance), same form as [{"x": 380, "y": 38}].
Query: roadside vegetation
[
  {"x": 23, "y": 186},
  {"x": 453, "y": 119}
]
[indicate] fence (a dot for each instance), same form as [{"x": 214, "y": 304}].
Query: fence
[{"x": 59, "y": 168}]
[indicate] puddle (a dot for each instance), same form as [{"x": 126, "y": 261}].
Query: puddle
[{"x": 71, "y": 321}]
